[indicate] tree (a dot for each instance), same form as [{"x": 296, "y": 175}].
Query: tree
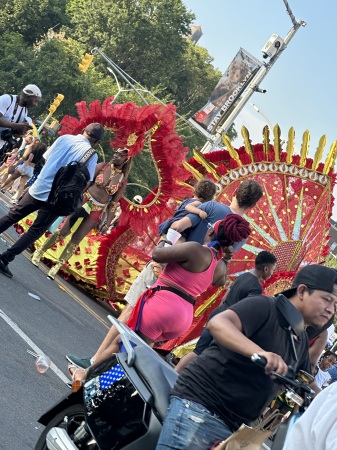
[
  {"x": 14, "y": 55},
  {"x": 32, "y": 18},
  {"x": 144, "y": 37}
]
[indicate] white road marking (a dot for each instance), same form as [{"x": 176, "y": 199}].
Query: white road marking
[{"x": 36, "y": 349}]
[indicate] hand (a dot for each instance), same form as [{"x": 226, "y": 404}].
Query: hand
[
  {"x": 157, "y": 269},
  {"x": 202, "y": 215},
  {"x": 274, "y": 363}
]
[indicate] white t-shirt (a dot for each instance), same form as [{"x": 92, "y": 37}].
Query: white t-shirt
[
  {"x": 7, "y": 107},
  {"x": 65, "y": 149},
  {"x": 322, "y": 378},
  {"x": 317, "y": 428}
]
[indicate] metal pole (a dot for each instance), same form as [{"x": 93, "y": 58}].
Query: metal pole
[
  {"x": 214, "y": 140},
  {"x": 120, "y": 73},
  {"x": 257, "y": 109},
  {"x": 129, "y": 80},
  {"x": 44, "y": 122}
]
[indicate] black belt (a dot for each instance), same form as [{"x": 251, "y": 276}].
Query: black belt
[{"x": 181, "y": 294}]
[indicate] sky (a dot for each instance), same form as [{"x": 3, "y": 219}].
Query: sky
[{"x": 301, "y": 86}]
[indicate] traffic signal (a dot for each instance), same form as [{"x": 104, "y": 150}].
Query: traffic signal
[
  {"x": 85, "y": 63},
  {"x": 56, "y": 103}
]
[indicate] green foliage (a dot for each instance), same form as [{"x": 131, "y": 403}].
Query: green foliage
[
  {"x": 43, "y": 42},
  {"x": 32, "y": 18},
  {"x": 143, "y": 37},
  {"x": 14, "y": 54}
]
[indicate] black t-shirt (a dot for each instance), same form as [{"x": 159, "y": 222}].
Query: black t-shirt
[
  {"x": 245, "y": 285},
  {"x": 231, "y": 385}
]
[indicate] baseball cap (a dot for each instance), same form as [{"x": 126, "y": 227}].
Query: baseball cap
[
  {"x": 95, "y": 130},
  {"x": 33, "y": 90},
  {"x": 314, "y": 276}
]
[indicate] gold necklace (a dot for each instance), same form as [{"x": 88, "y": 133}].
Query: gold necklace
[{"x": 114, "y": 170}]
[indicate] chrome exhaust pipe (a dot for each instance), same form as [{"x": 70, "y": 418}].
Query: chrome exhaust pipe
[{"x": 58, "y": 439}]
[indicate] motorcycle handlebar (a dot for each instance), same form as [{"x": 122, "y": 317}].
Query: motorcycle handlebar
[
  {"x": 289, "y": 379},
  {"x": 259, "y": 360}
]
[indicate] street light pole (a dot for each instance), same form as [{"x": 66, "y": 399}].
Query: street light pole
[
  {"x": 257, "y": 109},
  {"x": 213, "y": 141}
]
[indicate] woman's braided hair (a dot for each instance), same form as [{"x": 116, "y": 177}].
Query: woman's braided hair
[{"x": 233, "y": 228}]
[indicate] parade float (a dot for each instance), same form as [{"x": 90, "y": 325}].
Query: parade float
[{"x": 291, "y": 220}]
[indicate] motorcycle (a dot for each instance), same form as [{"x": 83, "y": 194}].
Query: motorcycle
[
  {"x": 297, "y": 390},
  {"x": 121, "y": 405},
  {"x": 123, "y": 402}
]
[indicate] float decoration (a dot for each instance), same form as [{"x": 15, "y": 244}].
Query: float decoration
[{"x": 290, "y": 221}]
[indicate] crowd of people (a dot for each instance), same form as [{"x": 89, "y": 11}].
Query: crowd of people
[{"x": 218, "y": 387}]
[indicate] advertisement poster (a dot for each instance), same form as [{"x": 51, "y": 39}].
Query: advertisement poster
[{"x": 228, "y": 90}]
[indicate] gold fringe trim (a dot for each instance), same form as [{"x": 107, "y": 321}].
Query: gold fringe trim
[
  {"x": 207, "y": 303},
  {"x": 198, "y": 176},
  {"x": 231, "y": 150},
  {"x": 319, "y": 152},
  {"x": 248, "y": 142},
  {"x": 290, "y": 145},
  {"x": 304, "y": 148},
  {"x": 266, "y": 141},
  {"x": 331, "y": 158},
  {"x": 277, "y": 143},
  {"x": 210, "y": 167}
]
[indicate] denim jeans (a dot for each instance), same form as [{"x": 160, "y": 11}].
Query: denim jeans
[
  {"x": 190, "y": 426},
  {"x": 44, "y": 219}
]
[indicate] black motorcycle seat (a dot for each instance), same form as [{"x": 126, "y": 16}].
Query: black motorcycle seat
[{"x": 158, "y": 375}]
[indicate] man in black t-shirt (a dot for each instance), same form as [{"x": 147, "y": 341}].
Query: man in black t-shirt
[
  {"x": 223, "y": 388},
  {"x": 246, "y": 285}
]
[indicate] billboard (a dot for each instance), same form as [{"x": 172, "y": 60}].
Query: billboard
[{"x": 228, "y": 90}]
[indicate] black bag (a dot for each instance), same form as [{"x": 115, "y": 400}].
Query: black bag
[{"x": 68, "y": 185}]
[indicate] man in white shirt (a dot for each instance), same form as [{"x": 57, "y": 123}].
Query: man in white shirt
[
  {"x": 65, "y": 149},
  {"x": 317, "y": 428},
  {"x": 14, "y": 112}
]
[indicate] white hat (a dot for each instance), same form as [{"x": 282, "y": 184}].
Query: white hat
[{"x": 32, "y": 89}]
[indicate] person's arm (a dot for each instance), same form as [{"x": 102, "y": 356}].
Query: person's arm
[
  {"x": 20, "y": 127},
  {"x": 25, "y": 156},
  {"x": 190, "y": 221},
  {"x": 317, "y": 347},
  {"x": 113, "y": 204},
  {"x": 220, "y": 274},
  {"x": 192, "y": 208},
  {"x": 182, "y": 224},
  {"x": 176, "y": 253},
  {"x": 226, "y": 328},
  {"x": 28, "y": 159}
]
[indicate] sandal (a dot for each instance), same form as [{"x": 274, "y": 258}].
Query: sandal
[{"x": 76, "y": 373}]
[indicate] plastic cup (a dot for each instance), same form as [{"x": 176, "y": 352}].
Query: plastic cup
[
  {"x": 42, "y": 363},
  {"x": 173, "y": 236}
]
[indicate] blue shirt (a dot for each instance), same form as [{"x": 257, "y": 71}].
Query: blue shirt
[
  {"x": 65, "y": 149},
  {"x": 179, "y": 213},
  {"x": 215, "y": 211},
  {"x": 333, "y": 373}
]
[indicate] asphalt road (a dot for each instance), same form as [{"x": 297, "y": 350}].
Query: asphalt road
[{"x": 58, "y": 319}]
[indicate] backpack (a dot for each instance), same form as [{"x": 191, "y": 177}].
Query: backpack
[{"x": 68, "y": 185}]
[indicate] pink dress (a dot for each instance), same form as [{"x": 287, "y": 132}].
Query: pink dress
[{"x": 166, "y": 315}]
